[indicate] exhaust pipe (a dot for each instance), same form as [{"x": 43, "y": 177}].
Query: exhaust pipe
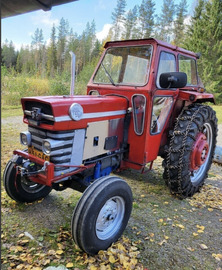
[{"x": 73, "y": 64}]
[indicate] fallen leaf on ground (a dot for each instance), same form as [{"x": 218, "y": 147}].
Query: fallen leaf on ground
[
  {"x": 209, "y": 196},
  {"x": 200, "y": 227},
  {"x": 59, "y": 251},
  {"x": 180, "y": 226},
  {"x": 69, "y": 265},
  {"x": 112, "y": 259},
  {"x": 162, "y": 242},
  {"x": 218, "y": 257},
  {"x": 203, "y": 246}
]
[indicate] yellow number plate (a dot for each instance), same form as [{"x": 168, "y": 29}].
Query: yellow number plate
[{"x": 37, "y": 153}]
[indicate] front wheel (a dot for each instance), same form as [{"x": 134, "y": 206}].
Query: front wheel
[
  {"x": 21, "y": 188},
  {"x": 101, "y": 214},
  {"x": 190, "y": 150}
]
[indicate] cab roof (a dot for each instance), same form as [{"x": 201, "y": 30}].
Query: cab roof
[{"x": 147, "y": 41}]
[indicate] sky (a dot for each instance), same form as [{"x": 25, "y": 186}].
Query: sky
[{"x": 20, "y": 29}]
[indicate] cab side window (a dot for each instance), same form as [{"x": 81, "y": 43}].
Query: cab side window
[
  {"x": 188, "y": 65},
  {"x": 167, "y": 63}
]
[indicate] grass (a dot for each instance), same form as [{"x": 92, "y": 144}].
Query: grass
[
  {"x": 218, "y": 110},
  {"x": 7, "y": 111},
  {"x": 16, "y": 87}
]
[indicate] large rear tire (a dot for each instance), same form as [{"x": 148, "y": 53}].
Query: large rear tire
[
  {"x": 20, "y": 188},
  {"x": 190, "y": 150},
  {"x": 101, "y": 214}
]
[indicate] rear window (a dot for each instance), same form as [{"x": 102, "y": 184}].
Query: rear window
[{"x": 188, "y": 65}]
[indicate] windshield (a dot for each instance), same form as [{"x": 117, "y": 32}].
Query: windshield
[{"x": 125, "y": 65}]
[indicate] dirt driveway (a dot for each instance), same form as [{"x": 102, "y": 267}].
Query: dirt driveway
[{"x": 166, "y": 232}]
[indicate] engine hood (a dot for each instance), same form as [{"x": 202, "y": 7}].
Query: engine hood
[{"x": 65, "y": 112}]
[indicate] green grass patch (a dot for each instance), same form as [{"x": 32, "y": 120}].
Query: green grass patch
[
  {"x": 218, "y": 110},
  {"x": 16, "y": 87},
  {"x": 7, "y": 111}
]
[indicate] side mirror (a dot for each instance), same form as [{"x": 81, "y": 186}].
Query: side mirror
[{"x": 173, "y": 80}]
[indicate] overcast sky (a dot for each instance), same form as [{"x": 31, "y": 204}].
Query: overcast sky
[{"x": 20, "y": 28}]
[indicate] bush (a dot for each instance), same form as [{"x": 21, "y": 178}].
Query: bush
[
  {"x": 60, "y": 85},
  {"x": 16, "y": 87}
]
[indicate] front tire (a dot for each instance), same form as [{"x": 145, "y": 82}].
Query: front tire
[
  {"x": 190, "y": 150},
  {"x": 22, "y": 189},
  {"x": 101, "y": 214}
]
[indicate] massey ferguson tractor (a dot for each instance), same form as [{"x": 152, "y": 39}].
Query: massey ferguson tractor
[{"x": 144, "y": 100}]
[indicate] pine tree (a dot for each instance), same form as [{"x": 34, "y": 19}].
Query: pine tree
[
  {"x": 96, "y": 50},
  {"x": 63, "y": 30},
  {"x": 135, "y": 31},
  {"x": 52, "y": 54},
  {"x": 37, "y": 39},
  {"x": 212, "y": 71},
  {"x": 8, "y": 54},
  {"x": 118, "y": 18},
  {"x": 130, "y": 23},
  {"x": 19, "y": 64},
  {"x": 37, "y": 43},
  {"x": 179, "y": 26},
  {"x": 166, "y": 18},
  {"x": 205, "y": 36},
  {"x": 74, "y": 46},
  {"x": 146, "y": 17}
]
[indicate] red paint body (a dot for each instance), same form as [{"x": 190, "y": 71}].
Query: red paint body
[{"x": 143, "y": 148}]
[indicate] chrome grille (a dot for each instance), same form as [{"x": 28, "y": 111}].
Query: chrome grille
[{"x": 62, "y": 154}]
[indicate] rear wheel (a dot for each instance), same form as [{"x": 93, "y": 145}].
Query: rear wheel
[
  {"x": 190, "y": 150},
  {"x": 101, "y": 214},
  {"x": 21, "y": 188}
]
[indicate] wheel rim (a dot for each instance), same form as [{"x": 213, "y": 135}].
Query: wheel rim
[
  {"x": 30, "y": 186},
  {"x": 197, "y": 174},
  {"x": 110, "y": 218}
]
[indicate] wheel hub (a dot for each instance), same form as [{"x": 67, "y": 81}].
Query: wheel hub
[
  {"x": 107, "y": 214},
  {"x": 200, "y": 152},
  {"x": 110, "y": 218}
]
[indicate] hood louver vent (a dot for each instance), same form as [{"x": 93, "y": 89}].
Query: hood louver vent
[{"x": 39, "y": 112}]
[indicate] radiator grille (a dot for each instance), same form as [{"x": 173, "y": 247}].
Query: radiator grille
[{"x": 61, "y": 155}]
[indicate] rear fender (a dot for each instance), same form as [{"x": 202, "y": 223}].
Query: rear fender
[{"x": 196, "y": 97}]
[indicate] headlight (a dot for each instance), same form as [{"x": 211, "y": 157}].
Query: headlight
[
  {"x": 26, "y": 138},
  {"x": 56, "y": 147},
  {"x": 46, "y": 147}
]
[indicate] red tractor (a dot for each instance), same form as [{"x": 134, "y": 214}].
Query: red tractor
[{"x": 144, "y": 100}]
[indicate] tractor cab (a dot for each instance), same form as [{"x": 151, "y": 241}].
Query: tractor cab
[{"x": 151, "y": 75}]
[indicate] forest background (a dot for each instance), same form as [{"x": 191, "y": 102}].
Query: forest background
[{"x": 41, "y": 69}]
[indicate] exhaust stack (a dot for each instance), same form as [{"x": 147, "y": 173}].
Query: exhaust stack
[{"x": 73, "y": 63}]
